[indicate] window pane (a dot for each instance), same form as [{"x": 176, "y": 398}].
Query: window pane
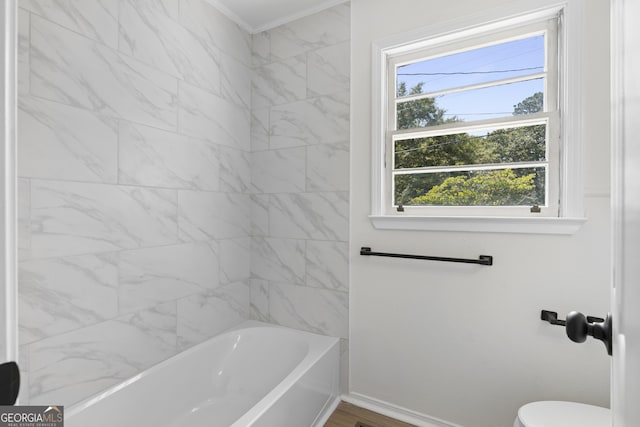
[
  {"x": 502, "y": 187},
  {"x": 492, "y": 102},
  {"x": 512, "y": 59},
  {"x": 523, "y": 144}
]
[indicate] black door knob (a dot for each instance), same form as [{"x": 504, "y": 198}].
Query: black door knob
[{"x": 578, "y": 328}]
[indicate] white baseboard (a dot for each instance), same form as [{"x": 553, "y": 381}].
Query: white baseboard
[
  {"x": 326, "y": 412},
  {"x": 397, "y": 412}
]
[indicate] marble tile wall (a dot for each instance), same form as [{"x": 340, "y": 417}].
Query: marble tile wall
[
  {"x": 134, "y": 187},
  {"x": 300, "y": 173}
]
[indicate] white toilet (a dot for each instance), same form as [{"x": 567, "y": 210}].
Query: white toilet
[{"x": 562, "y": 414}]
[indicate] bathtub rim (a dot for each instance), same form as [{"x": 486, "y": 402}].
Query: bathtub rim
[
  {"x": 292, "y": 377},
  {"x": 86, "y": 403}
]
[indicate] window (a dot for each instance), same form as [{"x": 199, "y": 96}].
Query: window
[{"x": 470, "y": 123}]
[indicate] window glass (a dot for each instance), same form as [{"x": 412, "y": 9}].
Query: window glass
[
  {"x": 502, "y": 161},
  {"x": 496, "y": 187},
  {"x": 487, "y": 64},
  {"x": 491, "y": 146},
  {"x": 503, "y": 100}
]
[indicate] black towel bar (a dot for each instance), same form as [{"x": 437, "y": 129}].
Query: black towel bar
[{"x": 482, "y": 259}]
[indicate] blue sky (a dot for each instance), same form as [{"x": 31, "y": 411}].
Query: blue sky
[{"x": 511, "y": 59}]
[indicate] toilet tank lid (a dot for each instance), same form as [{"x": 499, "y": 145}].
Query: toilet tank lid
[{"x": 563, "y": 414}]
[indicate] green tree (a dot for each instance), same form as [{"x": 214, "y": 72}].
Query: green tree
[
  {"x": 418, "y": 113},
  {"x": 495, "y": 188},
  {"x": 518, "y": 144},
  {"x": 532, "y": 104}
]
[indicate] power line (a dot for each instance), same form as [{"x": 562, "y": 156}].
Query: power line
[
  {"x": 527, "y": 52},
  {"x": 477, "y": 114},
  {"x": 469, "y": 72}
]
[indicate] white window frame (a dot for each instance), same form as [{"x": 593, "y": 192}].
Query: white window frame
[
  {"x": 566, "y": 219},
  {"x": 549, "y": 118}
]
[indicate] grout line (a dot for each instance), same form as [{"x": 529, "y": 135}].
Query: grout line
[
  {"x": 118, "y": 135},
  {"x": 29, "y": 53},
  {"x": 116, "y": 252},
  {"x": 85, "y": 36},
  {"x": 112, "y": 117},
  {"x": 147, "y": 187},
  {"x": 178, "y": 106},
  {"x": 118, "y": 27}
]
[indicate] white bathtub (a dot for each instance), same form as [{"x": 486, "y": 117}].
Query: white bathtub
[{"x": 256, "y": 375}]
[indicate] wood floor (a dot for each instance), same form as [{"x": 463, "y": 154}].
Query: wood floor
[{"x": 348, "y": 415}]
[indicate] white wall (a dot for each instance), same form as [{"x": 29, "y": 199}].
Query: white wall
[
  {"x": 300, "y": 173},
  {"x": 465, "y": 343},
  {"x": 139, "y": 120},
  {"x": 134, "y": 187}
]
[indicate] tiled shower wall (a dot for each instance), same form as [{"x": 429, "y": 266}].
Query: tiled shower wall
[
  {"x": 300, "y": 173},
  {"x": 134, "y": 151}
]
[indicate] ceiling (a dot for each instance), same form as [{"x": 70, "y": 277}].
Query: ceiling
[{"x": 260, "y": 15}]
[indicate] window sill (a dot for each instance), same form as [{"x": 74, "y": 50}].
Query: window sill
[{"x": 545, "y": 225}]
